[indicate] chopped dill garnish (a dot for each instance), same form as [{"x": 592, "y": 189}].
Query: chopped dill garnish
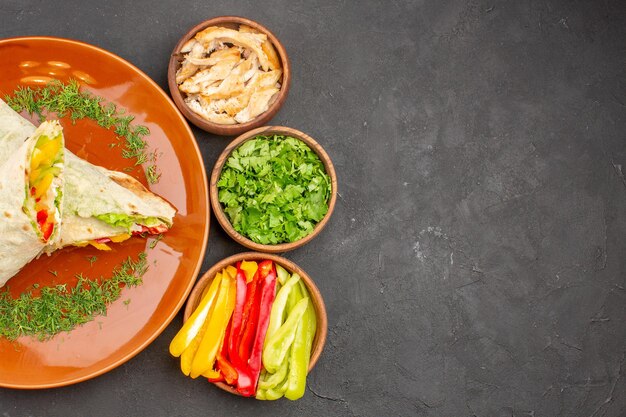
[
  {"x": 91, "y": 259},
  {"x": 55, "y": 273},
  {"x": 152, "y": 175},
  {"x": 156, "y": 240},
  {"x": 59, "y": 308},
  {"x": 67, "y": 99}
]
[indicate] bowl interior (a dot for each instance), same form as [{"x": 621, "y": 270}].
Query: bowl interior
[
  {"x": 316, "y": 298},
  {"x": 217, "y": 171},
  {"x": 230, "y": 22}
]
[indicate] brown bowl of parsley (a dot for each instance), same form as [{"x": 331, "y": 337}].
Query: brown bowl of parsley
[{"x": 273, "y": 189}]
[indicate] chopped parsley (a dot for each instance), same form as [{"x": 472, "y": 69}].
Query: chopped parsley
[
  {"x": 59, "y": 308},
  {"x": 274, "y": 189},
  {"x": 67, "y": 99}
]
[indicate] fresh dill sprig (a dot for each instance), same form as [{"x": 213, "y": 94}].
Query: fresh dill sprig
[
  {"x": 68, "y": 100},
  {"x": 156, "y": 240},
  {"x": 91, "y": 259},
  {"x": 152, "y": 175},
  {"x": 59, "y": 308}
]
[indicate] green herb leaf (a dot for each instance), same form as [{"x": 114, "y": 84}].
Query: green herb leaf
[
  {"x": 59, "y": 308},
  {"x": 274, "y": 189},
  {"x": 155, "y": 240},
  {"x": 67, "y": 99}
]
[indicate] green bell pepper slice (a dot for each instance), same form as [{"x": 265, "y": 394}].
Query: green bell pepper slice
[
  {"x": 279, "y": 308},
  {"x": 275, "y": 351},
  {"x": 281, "y": 274},
  {"x": 301, "y": 352},
  {"x": 269, "y": 380}
]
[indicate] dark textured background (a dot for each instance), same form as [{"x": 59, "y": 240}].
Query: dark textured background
[{"x": 475, "y": 264}]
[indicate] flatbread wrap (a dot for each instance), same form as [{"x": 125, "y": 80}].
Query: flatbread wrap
[
  {"x": 103, "y": 206},
  {"x": 31, "y": 190},
  {"x": 14, "y": 130},
  {"x": 99, "y": 206}
]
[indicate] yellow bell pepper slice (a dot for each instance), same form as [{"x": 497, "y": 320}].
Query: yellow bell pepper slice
[
  {"x": 99, "y": 246},
  {"x": 186, "y": 358},
  {"x": 120, "y": 238},
  {"x": 50, "y": 150},
  {"x": 249, "y": 268},
  {"x": 43, "y": 184},
  {"x": 192, "y": 326},
  {"x": 217, "y": 322},
  {"x": 232, "y": 299},
  {"x": 211, "y": 373},
  {"x": 230, "y": 307},
  {"x": 231, "y": 271},
  {"x": 34, "y": 174},
  {"x": 36, "y": 158}
]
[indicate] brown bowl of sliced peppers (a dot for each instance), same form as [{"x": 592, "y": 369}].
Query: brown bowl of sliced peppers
[{"x": 255, "y": 325}]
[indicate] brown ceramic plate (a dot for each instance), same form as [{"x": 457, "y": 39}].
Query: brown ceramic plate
[
  {"x": 141, "y": 313},
  {"x": 316, "y": 297}
]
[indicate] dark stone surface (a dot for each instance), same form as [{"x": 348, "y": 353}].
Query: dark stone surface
[{"x": 475, "y": 263}]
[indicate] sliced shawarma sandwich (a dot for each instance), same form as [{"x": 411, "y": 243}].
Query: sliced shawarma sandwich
[
  {"x": 31, "y": 190},
  {"x": 98, "y": 206},
  {"x": 102, "y": 206}
]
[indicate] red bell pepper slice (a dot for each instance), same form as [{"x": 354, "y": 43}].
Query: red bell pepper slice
[
  {"x": 268, "y": 293},
  {"x": 227, "y": 370},
  {"x": 245, "y": 384},
  {"x": 265, "y": 268},
  {"x": 256, "y": 326},
  {"x": 45, "y": 226},
  {"x": 247, "y": 338},
  {"x": 237, "y": 319},
  {"x": 42, "y": 216},
  {"x": 243, "y": 304},
  {"x": 46, "y": 230},
  {"x": 249, "y": 303}
]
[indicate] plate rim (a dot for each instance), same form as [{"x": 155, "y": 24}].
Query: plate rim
[{"x": 205, "y": 233}]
